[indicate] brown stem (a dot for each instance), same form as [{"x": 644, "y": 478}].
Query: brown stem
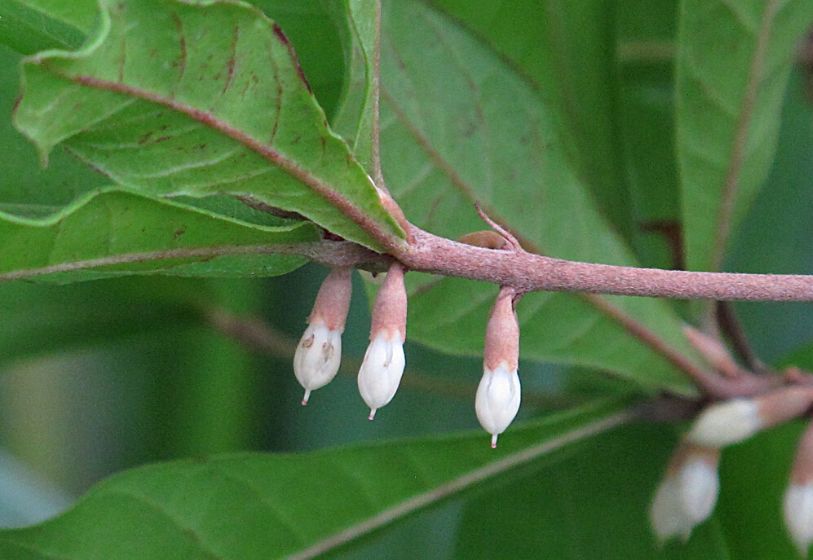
[
  {"x": 732, "y": 329},
  {"x": 529, "y": 272},
  {"x": 524, "y": 271}
]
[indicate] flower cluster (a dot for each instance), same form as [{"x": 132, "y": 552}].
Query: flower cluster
[
  {"x": 318, "y": 354},
  {"x": 688, "y": 492}
]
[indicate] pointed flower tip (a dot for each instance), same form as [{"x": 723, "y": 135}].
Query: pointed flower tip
[
  {"x": 383, "y": 365},
  {"x": 726, "y": 423},
  {"x": 319, "y": 353},
  {"x": 317, "y": 357},
  {"x": 381, "y": 371},
  {"x": 494, "y": 441},
  {"x": 371, "y": 416},
  {"x": 305, "y": 398},
  {"x": 497, "y": 400}
]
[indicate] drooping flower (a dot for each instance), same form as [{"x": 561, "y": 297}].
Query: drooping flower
[
  {"x": 383, "y": 365},
  {"x": 735, "y": 420},
  {"x": 319, "y": 352},
  {"x": 498, "y": 394},
  {"x": 688, "y": 492},
  {"x": 798, "y": 501}
]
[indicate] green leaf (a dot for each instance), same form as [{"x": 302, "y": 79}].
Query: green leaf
[
  {"x": 645, "y": 53},
  {"x": 459, "y": 126},
  {"x": 593, "y": 504},
  {"x": 775, "y": 236},
  {"x": 316, "y": 36},
  {"x": 253, "y": 506},
  {"x": 733, "y": 65},
  {"x": 354, "y": 118},
  {"x": 566, "y": 53},
  {"x": 113, "y": 233},
  {"x": 23, "y": 182},
  {"x": 29, "y": 26},
  {"x": 211, "y": 99}
]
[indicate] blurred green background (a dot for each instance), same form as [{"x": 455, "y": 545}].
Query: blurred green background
[{"x": 105, "y": 375}]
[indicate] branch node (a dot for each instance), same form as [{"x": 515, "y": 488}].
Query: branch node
[{"x": 507, "y": 235}]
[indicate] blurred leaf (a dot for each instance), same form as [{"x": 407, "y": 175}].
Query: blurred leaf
[
  {"x": 261, "y": 506},
  {"x": 120, "y": 233},
  {"x": 460, "y": 125},
  {"x": 775, "y": 236},
  {"x": 316, "y": 36},
  {"x": 593, "y": 504},
  {"x": 43, "y": 319},
  {"x": 23, "y": 181},
  {"x": 30, "y": 26},
  {"x": 754, "y": 476},
  {"x": 733, "y": 65},
  {"x": 137, "y": 87},
  {"x": 645, "y": 111}
]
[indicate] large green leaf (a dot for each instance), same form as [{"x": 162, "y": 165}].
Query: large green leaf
[
  {"x": 775, "y": 235},
  {"x": 594, "y": 504},
  {"x": 354, "y": 118},
  {"x": 264, "y": 506},
  {"x": 460, "y": 125},
  {"x": 23, "y": 181},
  {"x": 200, "y": 98},
  {"x": 29, "y": 26},
  {"x": 645, "y": 34},
  {"x": 734, "y": 59},
  {"x": 565, "y": 50},
  {"x": 113, "y": 233}
]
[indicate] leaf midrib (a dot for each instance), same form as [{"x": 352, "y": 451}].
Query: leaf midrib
[{"x": 316, "y": 184}]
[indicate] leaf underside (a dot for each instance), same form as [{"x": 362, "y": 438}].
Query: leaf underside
[
  {"x": 112, "y": 233},
  {"x": 734, "y": 59},
  {"x": 180, "y": 98},
  {"x": 459, "y": 125}
]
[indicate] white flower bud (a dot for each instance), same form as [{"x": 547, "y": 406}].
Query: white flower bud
[
  {"x": 726, "y": 423},
  {"x": 381, "y": 371},
  {"x": 317, "y": 358},
  {"x": 319, "y": 352},
  {"x": 687, "y": 494},
  {"x": 738, "y": 419},
  {"x": 498, "y": 395},
  {"x": 383, "y": 365},
  {"x": 665, "y": 514},
  {"x": 699, "y": 487},
  {"x": 798, "y": 502},
  {"x": 798, "y": 510},
  {"x": 497, "y": 400}
]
